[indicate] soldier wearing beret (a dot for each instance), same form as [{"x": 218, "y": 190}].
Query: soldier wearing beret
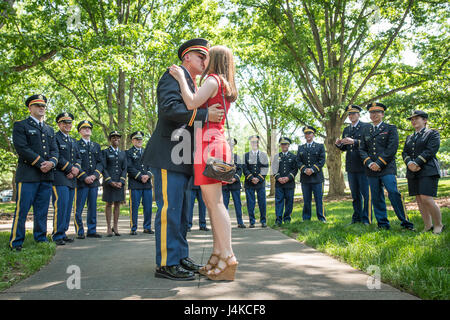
[
  {"x": 87, "y": 181},
  {"x": 65, "y": 183},
  {"x": 357, "y": 179},
  {"x": 175, "y": 126},
  {"x": 114, "y": 178},
  {"x": 310, "y": 161},
  {"x": 36, "y": 148},
  {"x": 378, "y": 148},
  {"x": 140, "y": 184},
  {"x": 423, "y": 172},
  {"x": 234, "y": 188},
  {"x": 284, "y": 169},
  {"x": 255, "y": 168}
]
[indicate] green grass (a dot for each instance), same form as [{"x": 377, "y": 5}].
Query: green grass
[
  {"x": 15, "y": 266},
  {"x": 415, "y": 262}
]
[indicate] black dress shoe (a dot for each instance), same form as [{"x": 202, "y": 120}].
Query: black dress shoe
[
  {"x": 69, "y": 240},
  {"x": 174, "y": 273},
  {"x": 252, "y": 226},
  {"x": 190, "y": 265},
  {"x": 409, "y": 228},
  {"x": 204, "y": 229},
  {"x": 149, "y": 231},
  {"x": 133, "y": 233},
  {"x": 263, "y": 225},
  {"x": 93, "y": 235},
  {"x": 60, "y": 242},
  {"x": 81, "y": 236},
  {"x": 242, "y": 226},
  {"x": 18, "y": 248}
]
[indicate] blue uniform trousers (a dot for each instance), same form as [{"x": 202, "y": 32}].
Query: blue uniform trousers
[
  {"x": 197, "y": 194},
  {"x": 284, "y": 201},
  {"x": 236, "y": 194},
  {"x": 172, "y": 197},
  {"x": 81, "y": 196},
  {"x": 308, "y": 189},
  {"x": 379, "y": 203},
  {"x": 62, "y": 199},
  {"x": 261, "y": 195},
  {"x": 136, "y": 197},
  {"x": 36, "y": 194},
  {"x": 359, "y": 187}
]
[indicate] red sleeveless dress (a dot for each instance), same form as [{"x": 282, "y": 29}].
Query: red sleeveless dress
[{"x": 212, "y": 141}]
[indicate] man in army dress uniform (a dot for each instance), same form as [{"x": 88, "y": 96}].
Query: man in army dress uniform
[
  {"x": 310, "y": 161},
  {"x": 378, "y": 148},
  {"x": 357, "y": 179},
  {"x": 88, "y": 181},
  {"x": 65, "y": 182},
  {"x": 36, "y": 147},
  {"x": 255, "y": 168},
  {"x": 284, "y": 169},
  {"x": 234, "y": 188},
  {"x": 172, "y": 175},
  {"x": 140, "y": 184}
]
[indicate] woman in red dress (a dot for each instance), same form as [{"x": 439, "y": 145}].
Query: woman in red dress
[{"x": 218, "y": 87}]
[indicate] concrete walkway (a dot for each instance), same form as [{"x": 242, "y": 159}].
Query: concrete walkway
[{"x": 271, "y": 266}]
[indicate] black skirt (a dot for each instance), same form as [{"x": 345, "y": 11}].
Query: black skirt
[
  {"x": 111, "y": 194},
  {"x": 426, "y": 186}
]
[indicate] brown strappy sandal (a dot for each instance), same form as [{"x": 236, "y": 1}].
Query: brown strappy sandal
[
  {"x": 203, "y": 270},
  {"x": 225, "y": 274}
]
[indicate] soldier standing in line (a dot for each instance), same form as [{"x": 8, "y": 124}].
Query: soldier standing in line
[
  {"x": 357, "y": 179},
  {"x": 310, "y": 161},
  {"x": 284, "y": 169},
  {"x": 65, "y": 182},
  {"x": 36, "y": 147},
  {"x": 88, "y": 181},
  {"x": 114, "y": 177},
  {"x": 256, "y": 167},
  {"x": 140, "y": 184}
]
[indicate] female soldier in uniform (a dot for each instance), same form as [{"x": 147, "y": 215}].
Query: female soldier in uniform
[
  {"x": 423, "y": 173},
  {"x": 114, "y": 177}
]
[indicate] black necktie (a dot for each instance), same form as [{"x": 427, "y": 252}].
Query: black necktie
[{"x": 40, "y": 125}]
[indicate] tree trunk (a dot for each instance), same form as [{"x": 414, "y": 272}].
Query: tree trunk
[{"x": 334, "y": 160}]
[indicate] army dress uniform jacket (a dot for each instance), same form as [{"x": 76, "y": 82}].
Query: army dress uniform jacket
[
  {"x": 34, "y": 145},
  {"x": 313, "y": 158},
  {"x": 174, "y": 128},
  {"x": 91, "y": 163},
  {"x": 379, "y": 146},
  {"x": 237, "y": 184},
  {"x": 285, "y": 166},
  {"x": 353, "y": 162},
  {"x": 69, "y": 157},
  {"x": 114, "y": 166},
  {"x": 136, "y": 169},
  {"x": 255, "y": 167},
  {"x": 422, "y": 148}
]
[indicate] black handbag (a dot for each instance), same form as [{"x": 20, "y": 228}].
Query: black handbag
[{"x": 217, "y": 168}]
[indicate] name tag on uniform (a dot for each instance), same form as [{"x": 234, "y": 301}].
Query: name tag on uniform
[
  {"x": 62, "y": 145},
  {"x": 82, "y": 150},
  {"x": 32, "y": 131},
  {"x": 111, "y": 156},
  {"x": 384, "y": 132}
]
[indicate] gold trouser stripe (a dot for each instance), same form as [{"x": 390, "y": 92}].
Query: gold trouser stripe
[
  {"x": 370, "y": 206},
  {"x": 16, "y": 218},
  {"x": 323, "y": 205},
  {"x": 164, "y": 219},
  {"x": 130, "y": 202},
  {"x": 55, "y": 214},
  {"x": 75, "y": 211}
]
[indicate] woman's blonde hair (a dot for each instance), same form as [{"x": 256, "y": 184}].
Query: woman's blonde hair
[{"x": 221, "y": 62}]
